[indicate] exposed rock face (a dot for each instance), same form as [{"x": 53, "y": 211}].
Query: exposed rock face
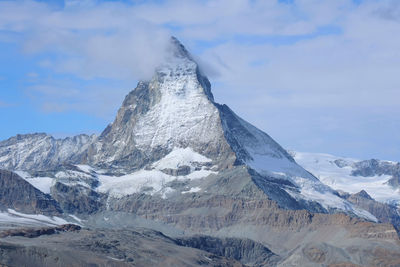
[
  {"x": 17, "y": 194},
  {"x": 77, "y": 198},
  {"x": 40, "y": 151}
]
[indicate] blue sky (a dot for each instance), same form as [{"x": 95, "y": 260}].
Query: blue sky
[{"x": 318, "y": 76}]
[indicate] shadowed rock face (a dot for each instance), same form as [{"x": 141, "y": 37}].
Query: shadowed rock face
[
  {"x": 77, "y": 199},
  {"x": 244, "y": 250},
  {"x": 18, "y": 194}
]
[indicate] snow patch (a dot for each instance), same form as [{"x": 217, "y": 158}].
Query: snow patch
[
  {"x": 44, "y": 184},
  {"x": 41, "y": 183},
  {"x": 192, "y": 190},
  {"x": 180, "y": 157},
  {"x": 146, "y": 181},
  {"x": 13, "y": 216}
]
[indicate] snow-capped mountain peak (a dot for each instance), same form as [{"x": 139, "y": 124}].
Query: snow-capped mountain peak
[{"x": 174, "y": 112}]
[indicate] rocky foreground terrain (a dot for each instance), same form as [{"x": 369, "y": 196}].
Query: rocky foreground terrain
[{"x": 179, "y": 180}]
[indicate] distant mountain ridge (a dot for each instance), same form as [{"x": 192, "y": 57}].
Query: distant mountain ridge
[{"x": 41, "y": 151}]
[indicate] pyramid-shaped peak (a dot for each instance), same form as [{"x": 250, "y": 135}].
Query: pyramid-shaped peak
[
  {"x": 180, "y": 70},
  {"x": 363, "y": 194},
  {"x": 178, "y": 49}
]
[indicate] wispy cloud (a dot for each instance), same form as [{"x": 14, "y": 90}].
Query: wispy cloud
[
  {"x": 4, "y": 104},
  {"x": 92, "y": 40}
]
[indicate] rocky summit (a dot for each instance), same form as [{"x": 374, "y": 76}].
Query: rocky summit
[{"x": 177, "y": 171}]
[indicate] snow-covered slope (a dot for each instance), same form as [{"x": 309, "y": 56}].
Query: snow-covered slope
[
  {"x": 179, "y": 165},
  {"x": 353, "y": 175},
  {"x": 40, "y": 151}
]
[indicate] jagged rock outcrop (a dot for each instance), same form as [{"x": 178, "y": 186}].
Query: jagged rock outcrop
[{"x": 19, "y": 195}]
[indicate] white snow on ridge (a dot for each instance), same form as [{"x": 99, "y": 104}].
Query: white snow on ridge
[
  {"x": 147, "y": 181},
  {"x": 180, "y": 157},
  {"x": 23, "y": 174},
  {"x": 41, "y": 183},
  {"x": 329, "y": 200},
  {"x": 324, "y": 167},
  {"x": 133, "y": 183},
  {"x": 15, "y": 217},
  {"x": 154, "y": 181},
  {"x": 44, "y": 184},
  {"x": 192, "y": 190}
]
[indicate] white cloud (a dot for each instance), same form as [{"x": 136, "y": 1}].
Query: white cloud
[{"x": 3, "y": 104}]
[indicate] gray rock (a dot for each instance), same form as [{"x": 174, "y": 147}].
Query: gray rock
[
  {"x": 18, "y": 194},
  {"x": 77, "y": 199}
]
